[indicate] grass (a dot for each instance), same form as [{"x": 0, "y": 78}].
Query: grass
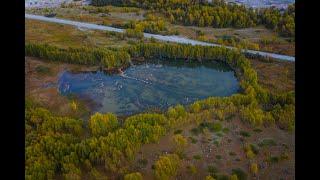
[
  {"x": 43, "y": 69},
  {"x": 222, "y": 177},
  {"x": 193, "y": 140},
  {"x": 267, "y": 143},
  {"x": 254, "y": 148},
  {"x": 212, "y": 127},
  {"x": 220, "y": 134},
  {"x": 197, "y": 157},
  {"x": 192, "y": 169},
  {"x": 245, "y": 134},
  {"x": 64, "y": 36},
  {"x": 277, "y": 76},
  {"x": 273, "y": 159},
  {"x": 195, "y": 131},
  {"x": 225, "y": 130},
  {"x": 143, "y": 162},
  {"x": 179, "y": 131},
  {"x": 240, "y": 174},
  {"x": 218, "y": 157},
  {"x": 212, "y": 170},
  {"x": 257, "y": 130}
]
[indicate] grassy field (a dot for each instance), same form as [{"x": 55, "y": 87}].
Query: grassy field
[
  {"x": 69, "y": 36},
  {"x": 276, "y": 76},
  {"x": 257, "y": 38},
  {"x": 221, "y": 151}
]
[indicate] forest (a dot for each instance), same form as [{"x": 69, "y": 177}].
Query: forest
[
  {"x": 217, "y": 14},
  {"x": 70, "y": 147},
  {"x": 85, "y": 56}
]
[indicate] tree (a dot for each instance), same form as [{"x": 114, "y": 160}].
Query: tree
[
  {"x": 179, "y": 142},
  {"x": 133, "y": 176},
  {"x": 195, "y": 107},
  {"x": 209, "y": 178},
  {"x": 254, "y": 168},
  {"x": 233, "y": 177},
  {"x": 167, "y": 166},
  {"x": 102, "y": 124}
]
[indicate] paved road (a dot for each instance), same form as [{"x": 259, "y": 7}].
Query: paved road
[{"x": 176, "y": 39}]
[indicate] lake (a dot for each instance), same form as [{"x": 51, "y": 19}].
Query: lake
[{"x": 152, "y": 85}]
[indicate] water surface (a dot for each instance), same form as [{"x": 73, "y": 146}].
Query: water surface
[{"x": 156, "y": 84}]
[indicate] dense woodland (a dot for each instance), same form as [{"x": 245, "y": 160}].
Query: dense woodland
[
  {"x": 217, "y": 14},
  {"x": 72, "y": 148}
]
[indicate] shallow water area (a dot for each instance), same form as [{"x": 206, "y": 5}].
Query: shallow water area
[{"x": 152, "y": 85}]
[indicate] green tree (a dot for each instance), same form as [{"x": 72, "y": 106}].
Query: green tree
[
  {"x": 180, "y": 143},
  {"x": 102, "y": 124},
  {"x": 167, "y": 166},
  {"x": 133, "y": 176}
]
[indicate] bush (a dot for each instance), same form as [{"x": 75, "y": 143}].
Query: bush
[
  {"x": 192, "y": 169},
  {"x": 133, "y": 176},
  {"x": 209, "y": 178},
  {"x": 193, "y": 140},
  {"x": 240, "y": 174},
  {"x": 167, "y": 166},
  {"x": 43, "y": 69},
  {"x": 133, "y": 33},
  {"x": 178, "y": 131},
  {"x": 245, "y": 134},
  {"x": 102, "y": 124},
  {"x": 233, "y": 177},
  {"x": 179, "y": 143},
  {"x": 254, "y": 168},
  {"x": 267, "y": 142},
  {"x": 83, "y": 56},
  {"x": 197, "y": 157}
]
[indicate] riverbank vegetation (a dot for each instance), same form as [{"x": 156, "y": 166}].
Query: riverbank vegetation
[
  {"x": 64, "y": 146},
  {"x": 86, "y": 56}
]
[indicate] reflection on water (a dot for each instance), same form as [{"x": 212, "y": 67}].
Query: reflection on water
[{"x": 155, "y": 84}]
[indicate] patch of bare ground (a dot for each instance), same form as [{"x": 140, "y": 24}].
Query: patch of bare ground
[
  {"x": 276, "y": 76},
  {"x": 224, "y": 151},
  {"x": 41, "y": 86}
]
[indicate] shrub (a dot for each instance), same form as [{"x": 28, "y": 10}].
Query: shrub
[
  {"x": 197, "y": 157},
  {"x": 133, "y": 176},
  {"x": 192, "y": 169},
  {"x": 209, "y": 178},
  {"x": 195, "y": 107},
  {"x": 167, "y": 166},
  {"x": 179, "y": 143},
  {"x": 102, "y": 124},
  {"x": 212, "y": 170},
  {"x": 178, "y": 131},
  {"x": 267, "y": 142},
  {"x": 254, "y": 168},
  {"x": 233, "y": 177},
  {"x": 193, "y": 140},
  {"x": 43, "y": 69},
  {"x": 245, "y": 134},
  {"x": 240, "y": 174}
]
